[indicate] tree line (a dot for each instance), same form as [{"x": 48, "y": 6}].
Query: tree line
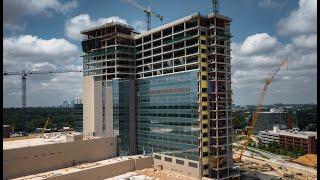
[
  {"x": 35, "y": 117},
  {"x": 274, "y": 147}
]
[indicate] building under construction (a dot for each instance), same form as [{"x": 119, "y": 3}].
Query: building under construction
[
  {"x": 165, "y": 91},
  {"x": 78, "y": 115}
]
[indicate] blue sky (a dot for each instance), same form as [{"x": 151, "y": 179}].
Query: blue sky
[
  {"x": 264, "y": 32},
  {"x": 248, "y": 16}
]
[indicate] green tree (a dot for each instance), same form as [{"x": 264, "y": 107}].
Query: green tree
[{"x": 36, "y": 117}]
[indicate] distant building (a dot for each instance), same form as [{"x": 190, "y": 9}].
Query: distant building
[
  {"x": 288, "y": 107},
  {"x": 6, "y": 131},
  {"x": 72, "y": 104},
  {"x": 38, "y": 130},
  {"x": 266, "y": 120},
  {"x": 78, "y": 115},
  {"x": 307, "y": 140},
  {"x": 65, "y": 103}
]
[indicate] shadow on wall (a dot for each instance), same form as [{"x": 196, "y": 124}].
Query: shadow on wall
[{"x": 255, "y": 175}]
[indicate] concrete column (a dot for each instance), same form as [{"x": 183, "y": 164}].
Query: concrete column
[{"x": 109, "y": 110}]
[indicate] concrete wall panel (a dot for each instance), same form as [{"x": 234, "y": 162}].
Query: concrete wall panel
[
  {"x": 98, "y": 108},
  {"x": 35, "y": 159},
  {"x": 184, "y": 169},
  {"x": 101, "y": 172},
  {"x": 88, "y": 105},
  {"x": 144, "y": 163},
  {"x": 109, "y": 111}
]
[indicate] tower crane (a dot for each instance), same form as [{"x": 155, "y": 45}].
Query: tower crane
[
  {"x": 259, "y": 106},
  {"x": 215, "y": 6},
  {"x": 148, "y": 12},
  {"x": 25, "y": 73}
]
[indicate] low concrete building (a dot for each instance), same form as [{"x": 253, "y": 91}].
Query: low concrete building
[
  {"x": 306, "y": 140},
  {"x": 266, "y": 137},
  {"x": 97, "y": 170},
  {"x": 54, "y": 151}
]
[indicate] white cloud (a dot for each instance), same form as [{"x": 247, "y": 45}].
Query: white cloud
[
  {"x": 256, "y": 57},
  {"x": 70, "y": 5},
  {"x": 33, "y": 7},
  {"x": 31, "y": 49},
  {"x": 258, "y": 43},
  {"x": 41, "y": 54},
  {"x": 301, "y": 20},
  {"x": 297, "y": 85},
  {"x": 272, "y": 3},
  {"x": 140, "y": 26},
  {"x": 15, "y": 9},
  {"x": 81, "y": 22},
  {"x": 305, "y": 41}
]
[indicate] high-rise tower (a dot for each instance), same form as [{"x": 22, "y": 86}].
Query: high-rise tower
[{"x": 165, "y": 91}]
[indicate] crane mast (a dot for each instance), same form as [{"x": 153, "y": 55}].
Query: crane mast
[
  {"x": 259, "y": 107},
  {"x": 24, "y": 89},
  {"x": 215, "y": 6}
]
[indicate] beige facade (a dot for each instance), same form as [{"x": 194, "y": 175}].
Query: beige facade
[
  {"x": 180, "y": 165},
  {"x": 97, "y": 98},
  {"x": 109, "y": 111},
  {"x": 41, "y": 158},
  {"x": 92, "y": 107},
  {"x": 74, "y": 137},
  {"x": 88, "y": 105}
]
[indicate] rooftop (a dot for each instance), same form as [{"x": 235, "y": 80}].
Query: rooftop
[
  {"x": 304, "y": 134},
  {"x": 175, "y": 22},
  {"x": 77, "y": 168},
  {"x": 178, "y": 21},
  {"x": 47, "y": 138},
  {"x": 151, "y": 174},
  {"x": 300, "y": 134},
  {"x": 105, "y": 25}
]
